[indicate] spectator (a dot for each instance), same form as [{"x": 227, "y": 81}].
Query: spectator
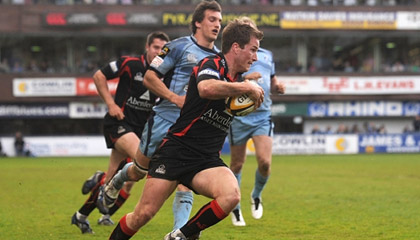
[
  {"x": 342, "y": 129},
  {"x": 328, "y": 130},
  {"x": 381, "y": 129},
  {"x": 20, "y": 148},
  {"x": 316, "y": 130},
  {"x": 355, "y": 129},
  {"x": 398, "y": 67}
]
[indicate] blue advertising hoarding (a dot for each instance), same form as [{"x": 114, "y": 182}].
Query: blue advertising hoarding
[{"x": 389, "y": 143}]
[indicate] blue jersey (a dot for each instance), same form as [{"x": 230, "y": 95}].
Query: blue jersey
[
  {"x": 265, "y": 66},
  {"x": 175, "y": 64}
]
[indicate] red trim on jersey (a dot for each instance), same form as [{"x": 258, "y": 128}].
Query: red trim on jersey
[
  {"x": 128, "y": 160},
  {"x": 143, "y": 60},
  {"x": 125, "y": 228},
  {"x": 195, "y": 71},
  {"x": 185, "y": 130},
  {"x": 163, "y": 142}
]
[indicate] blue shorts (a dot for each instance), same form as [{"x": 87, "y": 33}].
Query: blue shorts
[
  {"x": 154, "y": 131},
  {"x": 241, "y": 131}
]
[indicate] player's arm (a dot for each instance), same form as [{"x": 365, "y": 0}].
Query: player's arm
[
  {"x": 216, "y": 89},
  {"x": 277, "y": 86},
  {"x": 252, "y": 76},
  {"x": 103, "y": 90},
  {"x": 152, "y": 81}
]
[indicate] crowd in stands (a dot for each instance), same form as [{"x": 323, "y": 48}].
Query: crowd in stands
[
  {"x": 224, "y": 2},
  {"x": 318, "y": 65},
  {"x": 367, "y": 128}
]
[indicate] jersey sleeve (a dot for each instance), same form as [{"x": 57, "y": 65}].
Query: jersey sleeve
[
  {"x": 207, "y": 70},
  {"x": 167, "y": 58},
  {"x": 112, "y": 69}
]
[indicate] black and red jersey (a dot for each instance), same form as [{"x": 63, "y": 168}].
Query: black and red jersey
[
  {"x": 131, "y": 96},
  {"x": 203, "y": 124}
]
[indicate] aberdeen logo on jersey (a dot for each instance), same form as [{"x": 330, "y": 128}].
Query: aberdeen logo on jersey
[{"x": 217, "y": 119}]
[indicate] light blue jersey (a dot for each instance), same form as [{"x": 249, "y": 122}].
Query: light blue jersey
[
  {"x": 259, "y": 122},
  {"x": 175, "y": 63},
  {"x": 265, "y": 66}
]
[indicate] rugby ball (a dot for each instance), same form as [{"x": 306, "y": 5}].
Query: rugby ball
[{"x": 239, "y": 105}]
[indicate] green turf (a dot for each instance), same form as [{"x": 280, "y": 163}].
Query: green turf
[{"x": 308, "y": 197}]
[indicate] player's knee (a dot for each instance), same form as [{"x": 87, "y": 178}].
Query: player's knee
[
  {"x": 144, "y": 216},
  {"x": 264, "y": 167},
  {"x": 233, "y": 197}
]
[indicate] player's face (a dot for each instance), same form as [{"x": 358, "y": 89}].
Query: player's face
[
  {"x": 211, "y": 24},
  {"x": 154, "y": 48},
  {"x": 248, "y": 54}
]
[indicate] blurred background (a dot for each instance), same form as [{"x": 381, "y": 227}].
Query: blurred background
[{"x": 351, "y": 69}]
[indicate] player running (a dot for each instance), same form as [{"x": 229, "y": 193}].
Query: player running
[
  {"x": 190, "y": 152},
  {"x": 127, "y": 114},
  {"x": 257, "y": 126},
  {"x": 174, "y": 64}
]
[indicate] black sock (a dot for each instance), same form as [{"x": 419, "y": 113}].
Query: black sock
[
  {"x": 121, "y": 231},
  {"x": 207, "y": 216},
  {"x": 90, "y": 203},
  {"x": 122, "y": 197}
]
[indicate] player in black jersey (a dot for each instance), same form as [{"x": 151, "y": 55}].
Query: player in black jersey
[
  {"x": 190, "y": 152},
  {"x": 127, "y": 113}
]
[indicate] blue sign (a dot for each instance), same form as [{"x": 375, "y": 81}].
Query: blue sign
[
  {"x": 389, "y": 143},
  {"x": 364, "y": 109}
]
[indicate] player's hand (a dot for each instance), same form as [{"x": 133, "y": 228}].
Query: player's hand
[
  {"x": 280, "y": 88},
  {"x": 256, "y": 93},
  {"x": 116, "y": 112},
  {"x": 178, "y": 100},
  {"x": 253, "y": 76}
]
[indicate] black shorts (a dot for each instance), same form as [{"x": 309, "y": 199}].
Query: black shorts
[
  {"x": 175, "y": 162},
  {"x": 114, "y": 129}
]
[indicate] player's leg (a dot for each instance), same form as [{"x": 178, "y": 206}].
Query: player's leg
[
  {"x": 238, "y": 157},
  {"x": 130, "y": 172},
  {"x": 238, "y": 137},
  {"x": 219, "y": 184},
  {"x": 125, "y": 146},
  {"x": 263, "y": 148},
  {"x": 122, "y": 197},
  {"x": 155, "y": 193},
  {"x": 182, "y": 206}
]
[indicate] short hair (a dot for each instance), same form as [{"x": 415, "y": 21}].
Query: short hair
[
  {"x": 240, "y": 32},
  {"x": 198, "y": 14},
  {"x": 248, "y": 20},
  {"x": 158, "y": 34}
]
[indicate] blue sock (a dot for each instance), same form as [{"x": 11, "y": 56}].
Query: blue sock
[
  {"x": 121, "y": 177},
  {"x": 260, "y": 182},
  {"x": 182, "y": 208},
  {"x": 239, "y": 178}
]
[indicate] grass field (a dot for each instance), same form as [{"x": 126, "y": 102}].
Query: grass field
[{"x": 308, "y": 197}]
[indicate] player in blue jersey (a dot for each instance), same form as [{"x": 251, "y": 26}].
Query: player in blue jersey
[
  {"x": 124, "y": 122},
  {"x": 190, "y": 152},
  {"x": 174, "y": 64},
  {"x": 258, "y": 127}
]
